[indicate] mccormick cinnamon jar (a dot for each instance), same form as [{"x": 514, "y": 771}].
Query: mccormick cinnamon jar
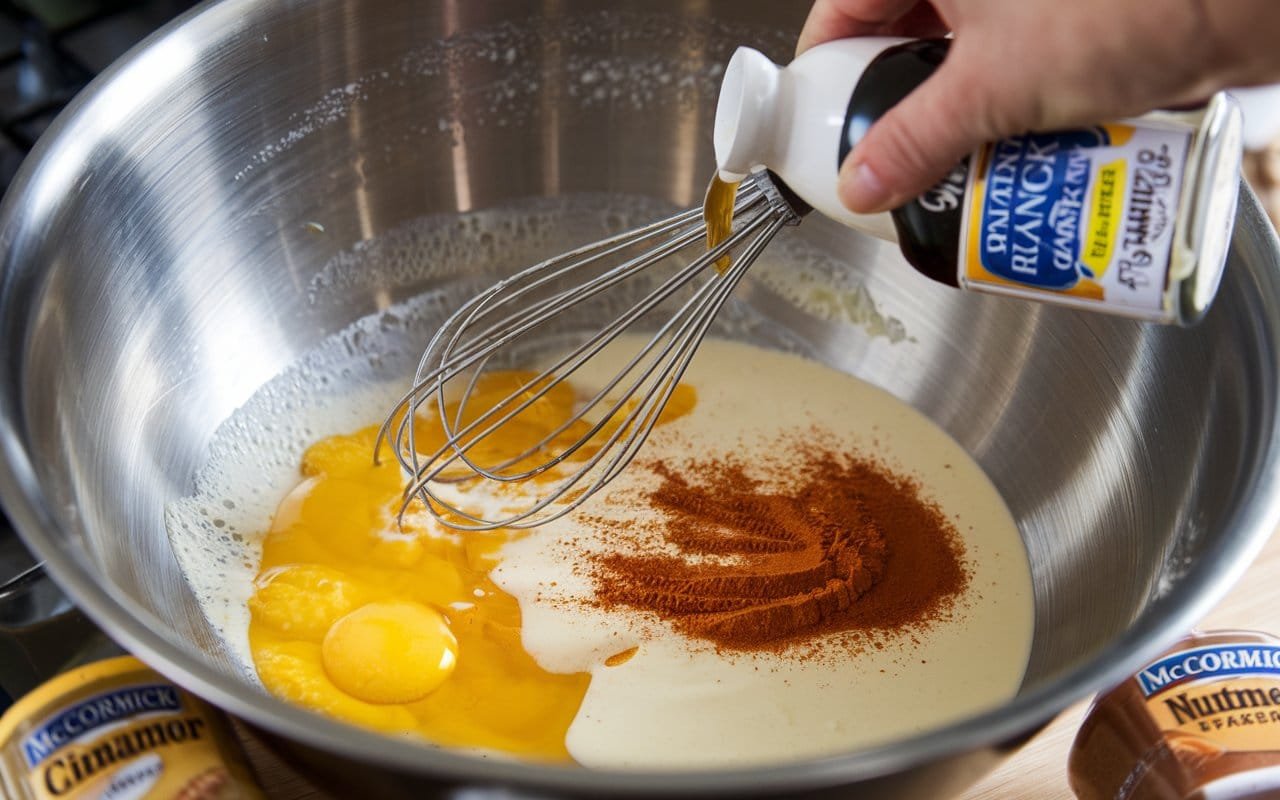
[
  {"x": 1202, "y": 722},
  {"x": 116, "y": 730}
]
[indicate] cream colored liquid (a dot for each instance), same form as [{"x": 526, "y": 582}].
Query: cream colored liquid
[{"x": 677, "y": 703}]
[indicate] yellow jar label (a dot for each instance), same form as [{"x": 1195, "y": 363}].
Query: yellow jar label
[
  {"x": 1080, "y": 217},
  {"x": 117, "y": 731},
  {"x": 1226, "y": 696}
]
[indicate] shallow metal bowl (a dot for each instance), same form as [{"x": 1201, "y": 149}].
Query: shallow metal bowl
[{"x": 171, "y": 246}]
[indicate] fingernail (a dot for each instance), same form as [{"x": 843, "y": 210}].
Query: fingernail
[{"x": 864, "y": 192}]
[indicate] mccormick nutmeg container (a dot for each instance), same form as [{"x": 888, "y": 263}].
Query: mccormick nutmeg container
[
  {"x": 1202, "y": 722},
  {"x": 116, "y": 730},
  {"x": 1132, "y": 217}
]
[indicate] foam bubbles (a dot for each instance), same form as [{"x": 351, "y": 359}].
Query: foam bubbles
[{"x": 822, "y": 285}]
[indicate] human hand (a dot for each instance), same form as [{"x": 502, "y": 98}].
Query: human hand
[{"x": 1021, "y": 65}]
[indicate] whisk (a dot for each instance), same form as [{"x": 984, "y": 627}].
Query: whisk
[{"x": 571, "y": 458}]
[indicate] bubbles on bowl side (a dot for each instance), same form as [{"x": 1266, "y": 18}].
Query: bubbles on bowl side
[{"x": 492, "y": 76}]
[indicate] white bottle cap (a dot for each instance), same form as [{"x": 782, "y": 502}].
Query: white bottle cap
[
  {"x": 791, "y": 120},
  {"x": 745, "y": 114}
]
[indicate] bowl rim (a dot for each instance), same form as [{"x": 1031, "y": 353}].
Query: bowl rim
[{"x": 138, "y": 630}]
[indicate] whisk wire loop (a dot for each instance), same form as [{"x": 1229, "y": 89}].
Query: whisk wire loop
[
  {"x": 543, "y": 273},
  {"x": 564, "y": 462},
  {"x": 639, "y": 421},
  {"x": 537, "y": 387},
  {"x": 637, "y": 425}
]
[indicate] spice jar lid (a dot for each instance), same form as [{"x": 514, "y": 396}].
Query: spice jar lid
[
  {"x": 1213, "y": 191},
  {"x": 1202, "y": 721}
]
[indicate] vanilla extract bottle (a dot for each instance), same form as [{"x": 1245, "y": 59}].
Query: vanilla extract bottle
[{"x": 1132, "y": 217}]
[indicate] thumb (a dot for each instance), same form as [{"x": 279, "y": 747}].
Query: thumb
[{"x": 913, "y": 146}]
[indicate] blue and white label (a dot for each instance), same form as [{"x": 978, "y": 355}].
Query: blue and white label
[
  {"x": 94, "y": 713},
  {"x": 1034, "y": 208},
  {"x": 1209, "y": 663},
  {"x": 1079, "y": 217}
]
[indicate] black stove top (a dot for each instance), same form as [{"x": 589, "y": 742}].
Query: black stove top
[{"x": 49, "y": 50}]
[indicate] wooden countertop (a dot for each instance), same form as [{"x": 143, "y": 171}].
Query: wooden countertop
[{"x": 1038, "y": 770}]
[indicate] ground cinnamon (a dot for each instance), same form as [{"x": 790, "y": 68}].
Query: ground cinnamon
[{"x": 844, "y": 545}]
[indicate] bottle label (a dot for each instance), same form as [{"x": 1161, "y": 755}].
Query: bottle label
[
  {"x": 1215, "y": 700},
  {"x": 1079, "y": 217},
  {"x": 116, "y": 730}
]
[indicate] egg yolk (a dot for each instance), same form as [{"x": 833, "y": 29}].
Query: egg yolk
[
  {"x": 389, "y": 652},
  {"x": 399, "y": 628}
]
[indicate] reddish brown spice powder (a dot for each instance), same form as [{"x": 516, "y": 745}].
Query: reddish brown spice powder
[{"x": 847, "y": 546}]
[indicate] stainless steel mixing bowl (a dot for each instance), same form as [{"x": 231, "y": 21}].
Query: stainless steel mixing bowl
[{"x": 169, "y": 246}]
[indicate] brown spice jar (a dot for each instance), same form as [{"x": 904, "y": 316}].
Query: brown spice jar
[
  {"x": 1201, "y": 722},
  {"x": 115, "y": 728}
]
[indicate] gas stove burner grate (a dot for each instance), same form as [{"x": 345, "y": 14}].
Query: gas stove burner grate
[
  {"x": 43, "y": 76},
  {"x": 49, "y": 51}
]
